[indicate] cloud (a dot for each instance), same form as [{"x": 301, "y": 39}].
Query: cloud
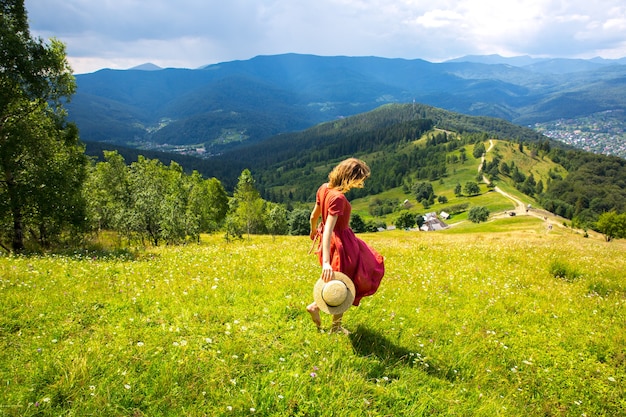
[{"x": 192, "y": 33}]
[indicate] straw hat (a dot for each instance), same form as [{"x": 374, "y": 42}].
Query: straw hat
[{"x": 335, "y": 296}]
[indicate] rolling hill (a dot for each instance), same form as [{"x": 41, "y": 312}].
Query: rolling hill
[
  {"x": 407, "y": 144},
  {"x": 222, "y": 106}
]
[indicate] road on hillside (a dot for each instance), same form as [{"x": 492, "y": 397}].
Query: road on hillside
[{"x": 520, "y": 207}]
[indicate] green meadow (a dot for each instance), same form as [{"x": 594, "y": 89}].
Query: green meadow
[{"x": 505, "y": 318}]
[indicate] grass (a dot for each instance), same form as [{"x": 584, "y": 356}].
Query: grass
[
  {"x": 538, "y": 166},
  {"x": 466, "y": 323},
  {"x": 461, "y": 173}
]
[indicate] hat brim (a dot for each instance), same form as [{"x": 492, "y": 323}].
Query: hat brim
[{"x": 319, "y": 300}]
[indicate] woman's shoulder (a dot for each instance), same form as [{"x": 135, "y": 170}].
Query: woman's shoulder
[{"x": 323, "y": 189}]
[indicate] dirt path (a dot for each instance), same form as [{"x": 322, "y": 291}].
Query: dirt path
[{"x": 521, "y": 208}]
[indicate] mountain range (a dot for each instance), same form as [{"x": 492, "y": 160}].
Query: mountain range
[{"x": 223, "y": 106}]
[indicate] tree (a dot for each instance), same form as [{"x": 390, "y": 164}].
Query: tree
[
  {"x": 424, "y": 192},
  {"x": 357, "y": 224},
  {"x": 107, "y": 191},
  {"x": 457, "y": 189},
  {"x": 299, "y": 222},
  {"x": 539, "y": 187},
  {"x": 209, "y": 202},
  {"x": 479, "y": 150},
  {"x": 42, "y": 162},
  {"x": 612, "y": 225},
  {"x": 504, "y": 168},
  {"x": 150, "y": 200},
  {"x": 471, "y": 188},
  {"x": 518, "y": 176},
  {"x": 247, "y": 206},
  {"x": 419, "y": 221},
  {"x": 478, "y": 214},
  {"x": 177, "y": 222},
  {"x": 277, "y": 223},
  {"x": 149, "y": 192},
  {"x": 405, "y": 220},
  {"x": 462, "y": 155}
]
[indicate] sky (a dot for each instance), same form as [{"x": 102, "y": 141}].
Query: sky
[{"x": 121, "y": 34}]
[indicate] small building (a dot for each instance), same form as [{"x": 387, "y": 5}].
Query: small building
[{"x": 432, "y": 223}]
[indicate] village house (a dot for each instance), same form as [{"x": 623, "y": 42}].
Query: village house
[{"x": 432, "y": 222}]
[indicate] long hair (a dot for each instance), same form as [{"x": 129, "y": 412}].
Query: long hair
[{"x": 350, "y": 173}]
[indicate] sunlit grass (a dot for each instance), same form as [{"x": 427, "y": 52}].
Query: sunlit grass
[
  {"x": 538, "y": 165},
  {"x": 473, "y": 323}
]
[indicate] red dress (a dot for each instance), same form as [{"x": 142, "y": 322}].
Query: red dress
[{"x": 348, "y": 253}]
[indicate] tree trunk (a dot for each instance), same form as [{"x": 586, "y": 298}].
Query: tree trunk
[
  {"x": 16, "y": 211},
  {"x": 18, "y": 230}
]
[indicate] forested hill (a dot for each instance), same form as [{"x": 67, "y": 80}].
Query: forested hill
[
  {"x": 410, "y": 143},
  {"x": 297, "y": 161},
  {"x": 372, "y": 131},
  {"x": 380, "y": 130}
]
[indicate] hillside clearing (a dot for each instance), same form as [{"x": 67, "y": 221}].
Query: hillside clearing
[{"x": 472, "y": 323}]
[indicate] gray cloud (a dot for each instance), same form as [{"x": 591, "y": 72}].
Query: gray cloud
[{"x": 191, "y": 33}]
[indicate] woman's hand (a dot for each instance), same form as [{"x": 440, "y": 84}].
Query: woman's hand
[
  {"x": 329, "y": 226},
  {"x": 327, "y": 272}
]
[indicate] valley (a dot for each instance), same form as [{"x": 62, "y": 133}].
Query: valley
[{"x": 602, "y": 133}]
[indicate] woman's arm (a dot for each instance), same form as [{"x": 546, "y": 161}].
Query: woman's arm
[
  {"x": 315, "y": 215},
  {"x": 327, "y": 270}
]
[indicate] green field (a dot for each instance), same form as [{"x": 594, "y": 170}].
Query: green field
[{"x": 514, "y": 321}]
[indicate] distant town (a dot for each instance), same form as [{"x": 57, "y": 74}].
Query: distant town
[{"x": 602, "y": 133}]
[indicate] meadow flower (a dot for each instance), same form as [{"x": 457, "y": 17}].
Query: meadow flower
[
  {"x": 127, "y": 386},
  {"x": 313, "y": 375}
]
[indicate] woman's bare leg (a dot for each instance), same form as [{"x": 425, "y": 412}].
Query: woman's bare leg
[
  {"x": 336, "y": 327},
  {"x": 314, "y": 311}
]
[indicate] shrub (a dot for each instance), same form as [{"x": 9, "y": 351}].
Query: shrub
[
  {"x": 478, "y": 214},
  {"x": 561, "y": 270}
]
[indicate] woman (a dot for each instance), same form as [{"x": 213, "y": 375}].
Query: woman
[{"x": 340, "y": 249}]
